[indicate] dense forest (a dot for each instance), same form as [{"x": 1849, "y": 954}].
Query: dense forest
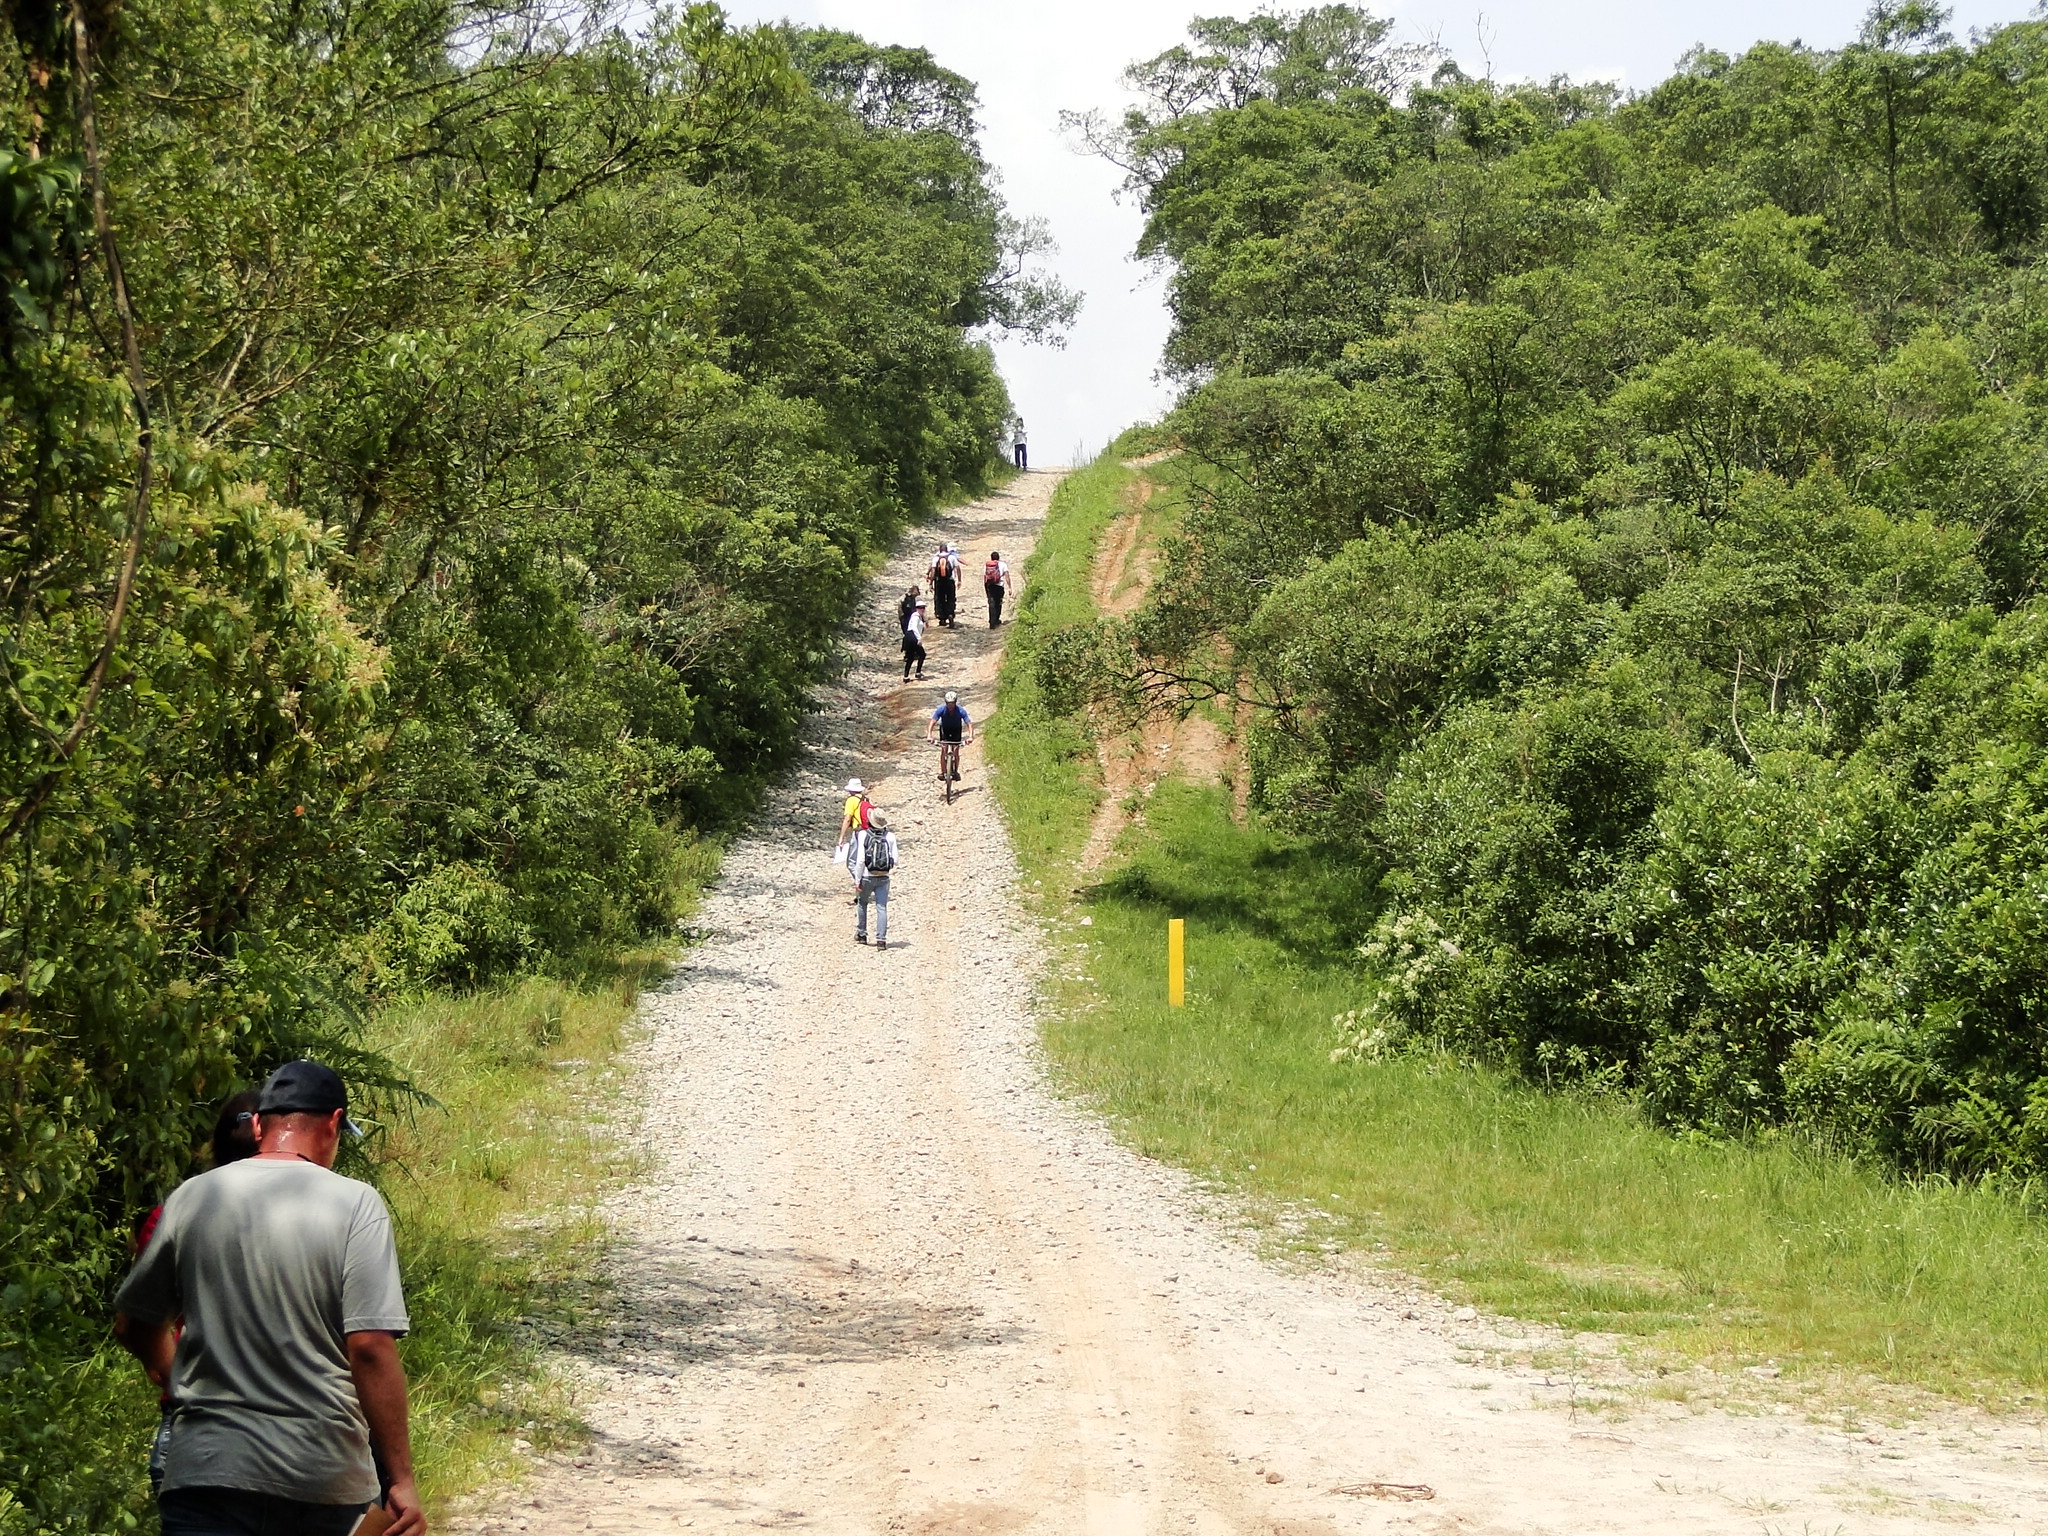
[
  {"x": 437, "y": 442},
  {"x": 1622, "y": 524}
]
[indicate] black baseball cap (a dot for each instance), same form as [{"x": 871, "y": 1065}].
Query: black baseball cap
[{"x": 302, "y": 1088}]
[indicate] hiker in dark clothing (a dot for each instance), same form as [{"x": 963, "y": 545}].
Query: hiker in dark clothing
[
  {"x": 913, "y": 641},
  {"x": 945, "y": 577},
  {"x": 997, "y": 583}
]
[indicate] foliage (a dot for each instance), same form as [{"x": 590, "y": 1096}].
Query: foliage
[
  {"x": 1558, "y": 1203},
  {"x": 1625, "y": 519},
  {"x": 438, "y": 443}
]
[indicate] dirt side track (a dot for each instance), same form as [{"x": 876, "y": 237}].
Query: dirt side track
[{"x": 878, "y": 1279}]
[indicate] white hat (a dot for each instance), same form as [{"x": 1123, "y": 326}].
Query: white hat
[
  {"x": 855, "y": 787},
  {"x": 952, "y": 697}
]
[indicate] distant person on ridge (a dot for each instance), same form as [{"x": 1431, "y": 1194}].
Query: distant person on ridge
[
  {"x": 996, "y": 582},
  {"x": 1017, "y": 443},
  {"x": 870, "y": 859},
  {"x": 287, "y": 1369}
]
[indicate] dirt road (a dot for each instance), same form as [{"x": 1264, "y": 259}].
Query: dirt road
[{"x": 878, "y": 1279}]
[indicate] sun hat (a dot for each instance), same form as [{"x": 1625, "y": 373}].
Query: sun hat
[
  {"x": 855, "y": 787},
  {"x": 878, "y": 822}
]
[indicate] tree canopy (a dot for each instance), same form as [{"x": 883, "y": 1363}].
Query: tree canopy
[
  {"x": 438, "y": 441},
  {"x": 1624, "y": 520}
]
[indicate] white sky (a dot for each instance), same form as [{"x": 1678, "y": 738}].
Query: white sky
[{"x": 1031, "y": 60}]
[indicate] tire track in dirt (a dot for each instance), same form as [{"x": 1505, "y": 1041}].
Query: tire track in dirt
[{"x": 877, "y": 1278}]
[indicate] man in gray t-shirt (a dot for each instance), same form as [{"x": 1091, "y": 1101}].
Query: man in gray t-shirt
[{"x": 286, "y": 1279}]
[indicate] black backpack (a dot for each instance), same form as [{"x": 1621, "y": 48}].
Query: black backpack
[{"x": 875, "y": 854}]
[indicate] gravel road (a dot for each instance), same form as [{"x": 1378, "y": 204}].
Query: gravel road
[{"x": 877, "y": 1278}]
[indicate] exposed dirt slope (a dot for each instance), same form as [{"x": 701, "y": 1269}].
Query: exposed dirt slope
[
  {"x": 1195, "y": 749},
  {"x": 877, "y": 1279}
]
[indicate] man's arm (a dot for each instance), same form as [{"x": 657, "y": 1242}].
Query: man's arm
[
  {"x": 374, "y": 1365},
  {"x": 151, "y": 1343}
]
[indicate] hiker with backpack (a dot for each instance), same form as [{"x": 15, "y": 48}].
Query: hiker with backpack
[
  {"x": 870, "y": 859},
  {"x": 907, "y": 607},
  {"x": 913, "y": 641},
  {"x": 996, "y": 582},
  {"x": 945, "y": 578},
  {"x": 855, "y": 816}
]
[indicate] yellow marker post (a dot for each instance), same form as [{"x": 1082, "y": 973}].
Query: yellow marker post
[{"x": 1176, "y": 962}]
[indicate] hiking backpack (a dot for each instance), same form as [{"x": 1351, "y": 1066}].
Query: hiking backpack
[
  {"x": 992, "y": 573},
  {"x": 875, "y": 854}
]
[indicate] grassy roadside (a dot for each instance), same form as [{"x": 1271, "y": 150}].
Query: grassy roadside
[
  {"x": 1562, "y": 1209},
  {"x": 493, "y": 1192},
  {"x": 1049, "y": 778}
]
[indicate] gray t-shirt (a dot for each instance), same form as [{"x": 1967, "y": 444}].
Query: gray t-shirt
[{"x": 271, "y": 1263}]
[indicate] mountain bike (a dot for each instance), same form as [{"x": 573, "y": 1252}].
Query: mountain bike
[{"x": 949, "y": 766}]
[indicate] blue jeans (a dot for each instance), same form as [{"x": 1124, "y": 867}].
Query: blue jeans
[
  {"x": 872, "y": 888},
  {"x": 239, "y": 1512}
]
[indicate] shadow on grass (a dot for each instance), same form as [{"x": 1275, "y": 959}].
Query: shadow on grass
[{"x": 1312, "y": 901}]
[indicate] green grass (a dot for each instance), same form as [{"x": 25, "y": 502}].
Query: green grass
[
  {"x": 1047, "y": 766},
  {"x": 1566, "y": 1209},
  {"x": 494, "y": 1196}
]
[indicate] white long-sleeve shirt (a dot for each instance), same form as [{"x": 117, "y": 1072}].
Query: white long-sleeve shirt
[{"x": 857, "y": 854}]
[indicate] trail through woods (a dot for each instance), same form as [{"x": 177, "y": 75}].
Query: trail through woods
[{"x": 877, "y": 1278}]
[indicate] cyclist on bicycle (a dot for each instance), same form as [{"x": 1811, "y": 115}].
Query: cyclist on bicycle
[{"x": 949, "y": 727}]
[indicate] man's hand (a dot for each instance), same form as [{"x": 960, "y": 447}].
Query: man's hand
[
  {"x": 380, "y": 1387},
  {"x": 408, "y": 1515},
  {"x": 151, "y": 1343}
]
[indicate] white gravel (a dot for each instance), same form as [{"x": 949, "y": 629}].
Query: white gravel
[{"x": 878, "y": 1279}]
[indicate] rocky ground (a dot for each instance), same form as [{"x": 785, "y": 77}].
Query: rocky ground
[{"x": 877, "y": 1278}]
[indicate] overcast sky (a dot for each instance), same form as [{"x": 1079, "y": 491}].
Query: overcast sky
[{"x": 1030, "y": 60}]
